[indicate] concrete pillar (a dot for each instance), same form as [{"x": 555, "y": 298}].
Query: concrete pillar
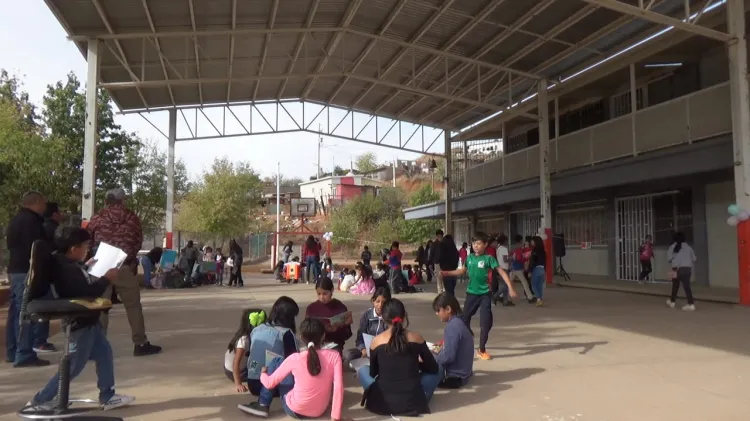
[
  {"x": 448, "y": 193},
  {"x": 633, "y": 108},
  {"x": 169, "y": 219},
  {"x": 545, "y": 205},
  {"x": 740, "y": 97},
  {"x": 91, "y": 132},
  {"x": 610, "y": 218},
  {"x": 700, "y": 234}
]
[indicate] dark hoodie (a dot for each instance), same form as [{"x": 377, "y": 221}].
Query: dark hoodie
[
  {"x": 370, "y": 324},
  {"x": 72, "y": 281},
  {"x": 120, "y": 227}
]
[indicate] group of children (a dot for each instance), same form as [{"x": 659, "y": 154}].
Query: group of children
[{"x": 397, "y": 369}]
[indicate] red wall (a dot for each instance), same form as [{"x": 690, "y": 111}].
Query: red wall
[{"x": 348, "y": 191}]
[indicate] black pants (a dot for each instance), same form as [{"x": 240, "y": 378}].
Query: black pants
[
  {"x": 646, "y": 269},
  {"x": 449, "y": 283},
  {"x": 483, "y": 304},
  {"x": 683, "y": 277},
  {"x": 430, "y": 271}
]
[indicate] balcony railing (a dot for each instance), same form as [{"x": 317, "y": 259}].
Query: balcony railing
[{"x": 691, "y": 118}]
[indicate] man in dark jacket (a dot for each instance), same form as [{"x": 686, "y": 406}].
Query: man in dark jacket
[
  {"x": 433, "y": 256},
  {"x": 447, "y": 261},
  {"x": 52, "y": 219},
  {"x": 25, "y": 228},
  {"x": 118, "y": 226}
]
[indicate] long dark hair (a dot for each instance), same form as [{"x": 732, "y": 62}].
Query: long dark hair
[
  {"x": 445, "y": 300},
  {"x": 245, "y": 327},
  {"x": 538, "y": 244},
  {"x": 324, "y": 283},
  {"x": 310, "y": 243},
  {"x": 283, "y": 312},
  {"x": 312, "y": 333},
  {"x": 384, "y": 292},
  {"x": 394, "y": 314},
  {"x": 679, "y": 238}
]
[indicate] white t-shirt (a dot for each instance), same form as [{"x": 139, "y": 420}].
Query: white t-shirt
[
  {"x": 502, "y": 257},
  {"x": 229, "y": 355}
]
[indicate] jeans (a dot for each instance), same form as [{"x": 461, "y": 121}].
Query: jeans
[
  {"x": 40, "y": 331},
  {"x": 645, "y": 269},
  {"x": 86, "y": 344},
  {"x": 683, "y": 277},
  {"x": 429, "y": 381},
  {"x": 266, "y": 395},
  {"x": 19, "y": 344},
  {"x": 147, "y": 269},
  {"x": 449, "y": 284},
  {"x": 483, "y": 304},
  {"x": 312, "y": 268},
  {"x": 537, "y": 281}
]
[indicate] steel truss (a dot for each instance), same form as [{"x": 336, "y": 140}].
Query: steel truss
[{"x": 291, "y": 116}]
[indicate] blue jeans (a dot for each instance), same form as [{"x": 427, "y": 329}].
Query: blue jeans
[
  {"x": 86, "y": 344},
  {"x": 266, "y": 395},
  {"x": 538, "y": 276},
  {"x": 312, "y": 267},
  {"x": 429, "y": 381},
  {"x": 147, "y": 269},
  {"x": 19, "y": 346}
]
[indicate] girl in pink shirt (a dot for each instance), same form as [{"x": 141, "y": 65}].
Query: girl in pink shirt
[{"x": 308, "y": 381}]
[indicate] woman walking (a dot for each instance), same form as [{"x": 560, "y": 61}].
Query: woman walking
[{"x": 681, "y": 258}]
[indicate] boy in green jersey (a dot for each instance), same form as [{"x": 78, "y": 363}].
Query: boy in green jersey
[{"x": 478, "y": 291}]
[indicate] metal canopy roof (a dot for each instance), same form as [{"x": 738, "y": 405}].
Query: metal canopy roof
[{"x": 444, "y": 63}]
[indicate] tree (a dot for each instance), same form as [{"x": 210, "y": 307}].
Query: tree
[
  {"x": 147, "y": 184},
  {"x": 345, "y": 229},
  {"x": 221, "y": 202},
  {"x": 285, "y": 181},
  {"x": 419, "y": 231},
  {"x": 65, "y": 119},
  {"x": 366, "y": 162}
]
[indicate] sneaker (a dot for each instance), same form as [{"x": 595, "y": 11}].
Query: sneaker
[
  {"x": 45, "y": 349},
  {"x": 484, "y": 355},
  {"x": 254, "y": 408},
  {"x": 509, "y": 304},
  {"x": 689, "y": 307},
  {"x": 539, "y": 303},
  {"x": 146, "y": 349},
  {"x": 32, "y": 362},
  {"x": 117, "y": 401},
  {"x": 41, "y": 407},
  {"x": 670, "y": 303}
]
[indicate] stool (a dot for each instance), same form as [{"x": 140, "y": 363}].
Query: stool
[{"x": 66, "y": 310}]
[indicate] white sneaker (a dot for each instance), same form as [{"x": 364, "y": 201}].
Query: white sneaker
[
  {"x": 48, "y": 406},
  {"x": 670, "y": 303},
  {"x": 117, "y": 401},
  {"x": 689, "y": 307}
]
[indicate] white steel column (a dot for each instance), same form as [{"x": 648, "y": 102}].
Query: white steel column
[
  {"x": 740, "y": 97},
  {"x": 169, "y": 219},
  {"x": 91, "y": 132},
  {"x": 545, "y": 206},
  {"x": 448, "y": 193},
  {"x": 633, "y": 106}
]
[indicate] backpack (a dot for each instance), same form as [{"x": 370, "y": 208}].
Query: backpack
[{"x": 264, "y": 338}]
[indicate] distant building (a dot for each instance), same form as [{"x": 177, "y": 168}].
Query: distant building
[
  {"x": 385, "y": 173},
  {"x": 336, "y": 190},
  {"x": 287, "y": 194}
]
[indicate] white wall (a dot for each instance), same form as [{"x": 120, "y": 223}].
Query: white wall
[
  {"x": 722, "y": 238},
  {"x": 313, "y": 190},
  {"x": 594, "y": 261}
]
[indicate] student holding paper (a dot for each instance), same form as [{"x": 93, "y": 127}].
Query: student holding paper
[
  {"x": 370, "y": 324},
  {"x": 332, "y": 312}
]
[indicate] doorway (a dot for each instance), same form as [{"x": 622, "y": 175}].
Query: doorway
[{"x": 634, "y": 221}]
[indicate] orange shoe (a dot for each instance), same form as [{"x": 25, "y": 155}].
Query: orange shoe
[{"x": 484, "y": 355}]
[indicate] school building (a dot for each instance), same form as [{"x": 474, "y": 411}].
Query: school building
[{"x": 647, "y": 149}]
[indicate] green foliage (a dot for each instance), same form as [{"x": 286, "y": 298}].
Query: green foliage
[
  {"x": 388, "y": 230},
  {"x": 346, "y": 229},
  {"x": 221, "y": 202},
  {"x": 420, "y": 231},
  {"x": 366, "y": 162}
]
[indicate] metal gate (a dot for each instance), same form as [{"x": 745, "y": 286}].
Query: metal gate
[
  {"x": 528, "y": 222},
  {"x": 634, "y": 221}
]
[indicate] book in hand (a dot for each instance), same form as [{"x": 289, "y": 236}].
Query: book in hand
[
  {"x": 107, "y": 257},
  {"x": 337, "y": 320}
]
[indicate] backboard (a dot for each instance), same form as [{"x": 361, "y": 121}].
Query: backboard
[{"x": 302, "y": 206}]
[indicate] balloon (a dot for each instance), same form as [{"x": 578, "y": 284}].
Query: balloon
[
  {"x": 733, "y": 221},
  {"x": 743, "y": 215},
  {"x": 541, "y": 230},
  {"x": 543, "y": 237},
  {"x": 734, "y": 210}
]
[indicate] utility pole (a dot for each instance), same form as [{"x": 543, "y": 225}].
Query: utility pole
[
  {"x": 278, "y": 212},
  {"x": 320, "y": 142},
  {"x": 395, "y": 161}
]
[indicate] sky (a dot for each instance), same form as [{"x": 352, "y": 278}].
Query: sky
[{"x": 36, "y": 49}]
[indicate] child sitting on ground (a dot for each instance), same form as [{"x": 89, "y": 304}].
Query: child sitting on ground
[
  {"x": 348, "y": 281},
  {"x": 366, "y": 285},
  {"x": 88, "y": 342},
  {"x": 371, "y": 323},
  {"x": 456, "y": 355},
  {"x": 235, "y": 358},
  {"x": 308, "y": 381},
  {"x": 327, "y": 307}
]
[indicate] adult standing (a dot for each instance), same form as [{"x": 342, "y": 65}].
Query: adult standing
[
  {"x": 681, "y": 259},
  {"x": 287, "y": 251},
  {"x": 120, "y": 227},
  {"x": 24, "y": 228},
  {"x": 235, "y": 252},
  {"x": 426, "y": 263},
  {"x": 433, "y": 258},
  {"x": 448, "y": 261},
  {"x": 191, "y": 256},
  {"x": 310, "y": 255}
]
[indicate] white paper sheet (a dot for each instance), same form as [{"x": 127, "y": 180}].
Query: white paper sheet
[
  {"x": 368, "y": 341},
  {"x": 107, "y": 257}
]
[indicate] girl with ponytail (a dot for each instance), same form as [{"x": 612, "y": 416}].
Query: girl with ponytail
[
  {"x": 308, "y": 381},
  {"x": 403, "y": 373}
]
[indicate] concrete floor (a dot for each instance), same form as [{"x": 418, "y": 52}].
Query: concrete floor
[{"x": 587, "y": 356}]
